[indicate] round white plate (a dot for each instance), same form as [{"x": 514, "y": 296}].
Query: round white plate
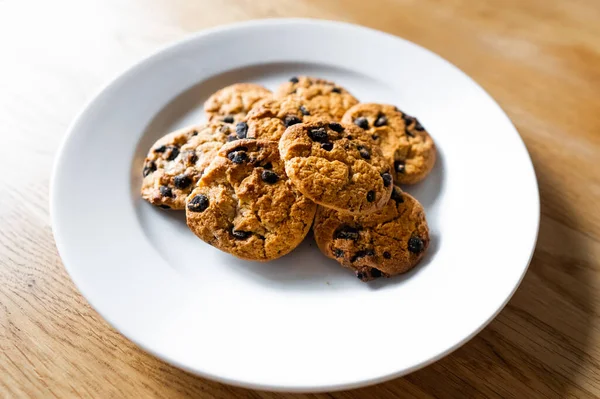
[{"x": 301, "y": 323}]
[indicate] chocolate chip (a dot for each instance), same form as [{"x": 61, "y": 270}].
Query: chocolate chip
[
  {"x": 399, "y": 166},
  {"x": 166, "y": 191},
  {"x": 164, "y": 206},
  {"x": 238, "y": 155},
  {"x": 346, "y": 232},
  {"x": 336, "y": 127},
  {"x": 387, "y": 255},
  {"x": 318, "y": 134},
  {"x": 375, "y": 273},
  {"x": 380, "y": 121},
  {"x": 338, "y": 253},
  {"x": 387, "y": 179},
  {"x": 418, "y": 125},
  {"x": 198, "y": 204},
  {"x": 194, "y": 133},
  {"x": 397, "y": 195},
  {"x": 294, "y": 79},
  {"x": 407, "y": 119},
  {"x": 149, "y": 168},
  {"x": 290, "y": 120},
  {"x": 304, "y": 110},
  {"x": 349, "y": 137},
  {"x": 336, "y": 90},
  {"x": 415, "y": 245},
  {"x": 360, "y": 275},
  {"x": 173, "y": 154},
  {"x": 362, "y": 122},
  {"x": 240, "y": 234},
  {"x": 269, "y": 177},
  {"x": 160, "y": 149},
  {"x": 241, "y": 129},
  {"x": 362, "y": 254},
  {"x": 228, "y": 119},
  {"x": 408, "y": 132},
  {"x": 182, "y": 181},
  {"x": 268, "y": 165},
  {"x": 374, "y": 137},
  {"x": 371, "y": 196},
  {"x": 232, "y": 138},
  {"x": 192, "y": 157},
  {"x": 327, "y": 146},
  {"x": 363, "y": 152}
]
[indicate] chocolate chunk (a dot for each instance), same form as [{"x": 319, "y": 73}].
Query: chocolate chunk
[
  {"x": 228, "y": 119},
  {"x": 371, "y": 196},
  {"x": 336, "y": 127},
  {"x": 241, "y": 129},
  {"x": 338, "y": 253},
  {"x": 161, "y": 149},
  {"x": 397, "y": 195},
  {"x": 166, "y": 191},
  {"x": 418, "y": 126},
  {"x": 380, "y": 121},
  {"x": 149, "y": 168},
  {"x": 318, "y": 134},
  {"x": 294, "y": 79},
  {"x": 363, "y": 152},
  {"x": 269, "y": 177},
  {"x": 336, "y": 90},
  {"x": 362, "y": 254},
  {"x": 375, "y": 273},
  {"x": 240, "y": 234},
  {"x": 387, "y": 179},
  {"x": 198, "y": 204},
  {"x": 387, "y": 255},
  {"x": 346, "y": 232},
  {"x": 362, "y": 122},
  {"x": 304, "y": 110},
  {"x": 415, "y": 245},
  {"x": 399, "y": 166},
  {"x": 182, "y": 181},
  {"x": 164, "y": 206},
  {"x": 173, "y": 154},
  {"x": 327, "y": 146},
  {"x": 290, "y": 120}
]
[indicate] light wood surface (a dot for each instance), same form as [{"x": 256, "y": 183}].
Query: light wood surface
[{"x": 540, "y": 59}]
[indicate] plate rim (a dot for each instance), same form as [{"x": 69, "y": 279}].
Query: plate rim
[{"x": 164, "y": 50}]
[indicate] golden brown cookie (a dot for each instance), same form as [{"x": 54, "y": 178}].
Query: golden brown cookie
[
  {"x": 231, "y": 104},
  {"x": 403, "y": 140},
  {"x": 320, "y": 95},
  {"x": 337, "y": 166},
  {"x": 245, "y": 205},
  {"x": 176, "y": 161},
  {"x": 269, "y": 119},
  {"x": 384, "y": 243}
]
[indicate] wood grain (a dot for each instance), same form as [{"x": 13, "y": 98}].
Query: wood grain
[{"x": 540, "y": 59}]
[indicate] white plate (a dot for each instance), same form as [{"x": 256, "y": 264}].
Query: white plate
[{"x": 300, "y": 323}]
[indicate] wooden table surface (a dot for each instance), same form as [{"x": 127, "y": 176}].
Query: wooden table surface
[{"x": 540, "y": 59}]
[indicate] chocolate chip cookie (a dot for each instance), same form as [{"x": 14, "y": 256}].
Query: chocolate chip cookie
[
  {"x": 381, "y": 244},
  {"x": 231, "y": 104},
  {"x": 269, "y": 119},
  {"x": 176, "y": 162},
  {"x": 245, "y": 205},
  {"x": 337, "y": 166},
  {"x": 403, "y": 140},
  {"x": 319, "y": 94}
]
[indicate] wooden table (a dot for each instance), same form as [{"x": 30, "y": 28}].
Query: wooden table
[{"x": 539, "y": 58}]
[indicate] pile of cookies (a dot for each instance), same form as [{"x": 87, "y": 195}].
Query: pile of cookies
[{"x": 267, "y": 167}]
